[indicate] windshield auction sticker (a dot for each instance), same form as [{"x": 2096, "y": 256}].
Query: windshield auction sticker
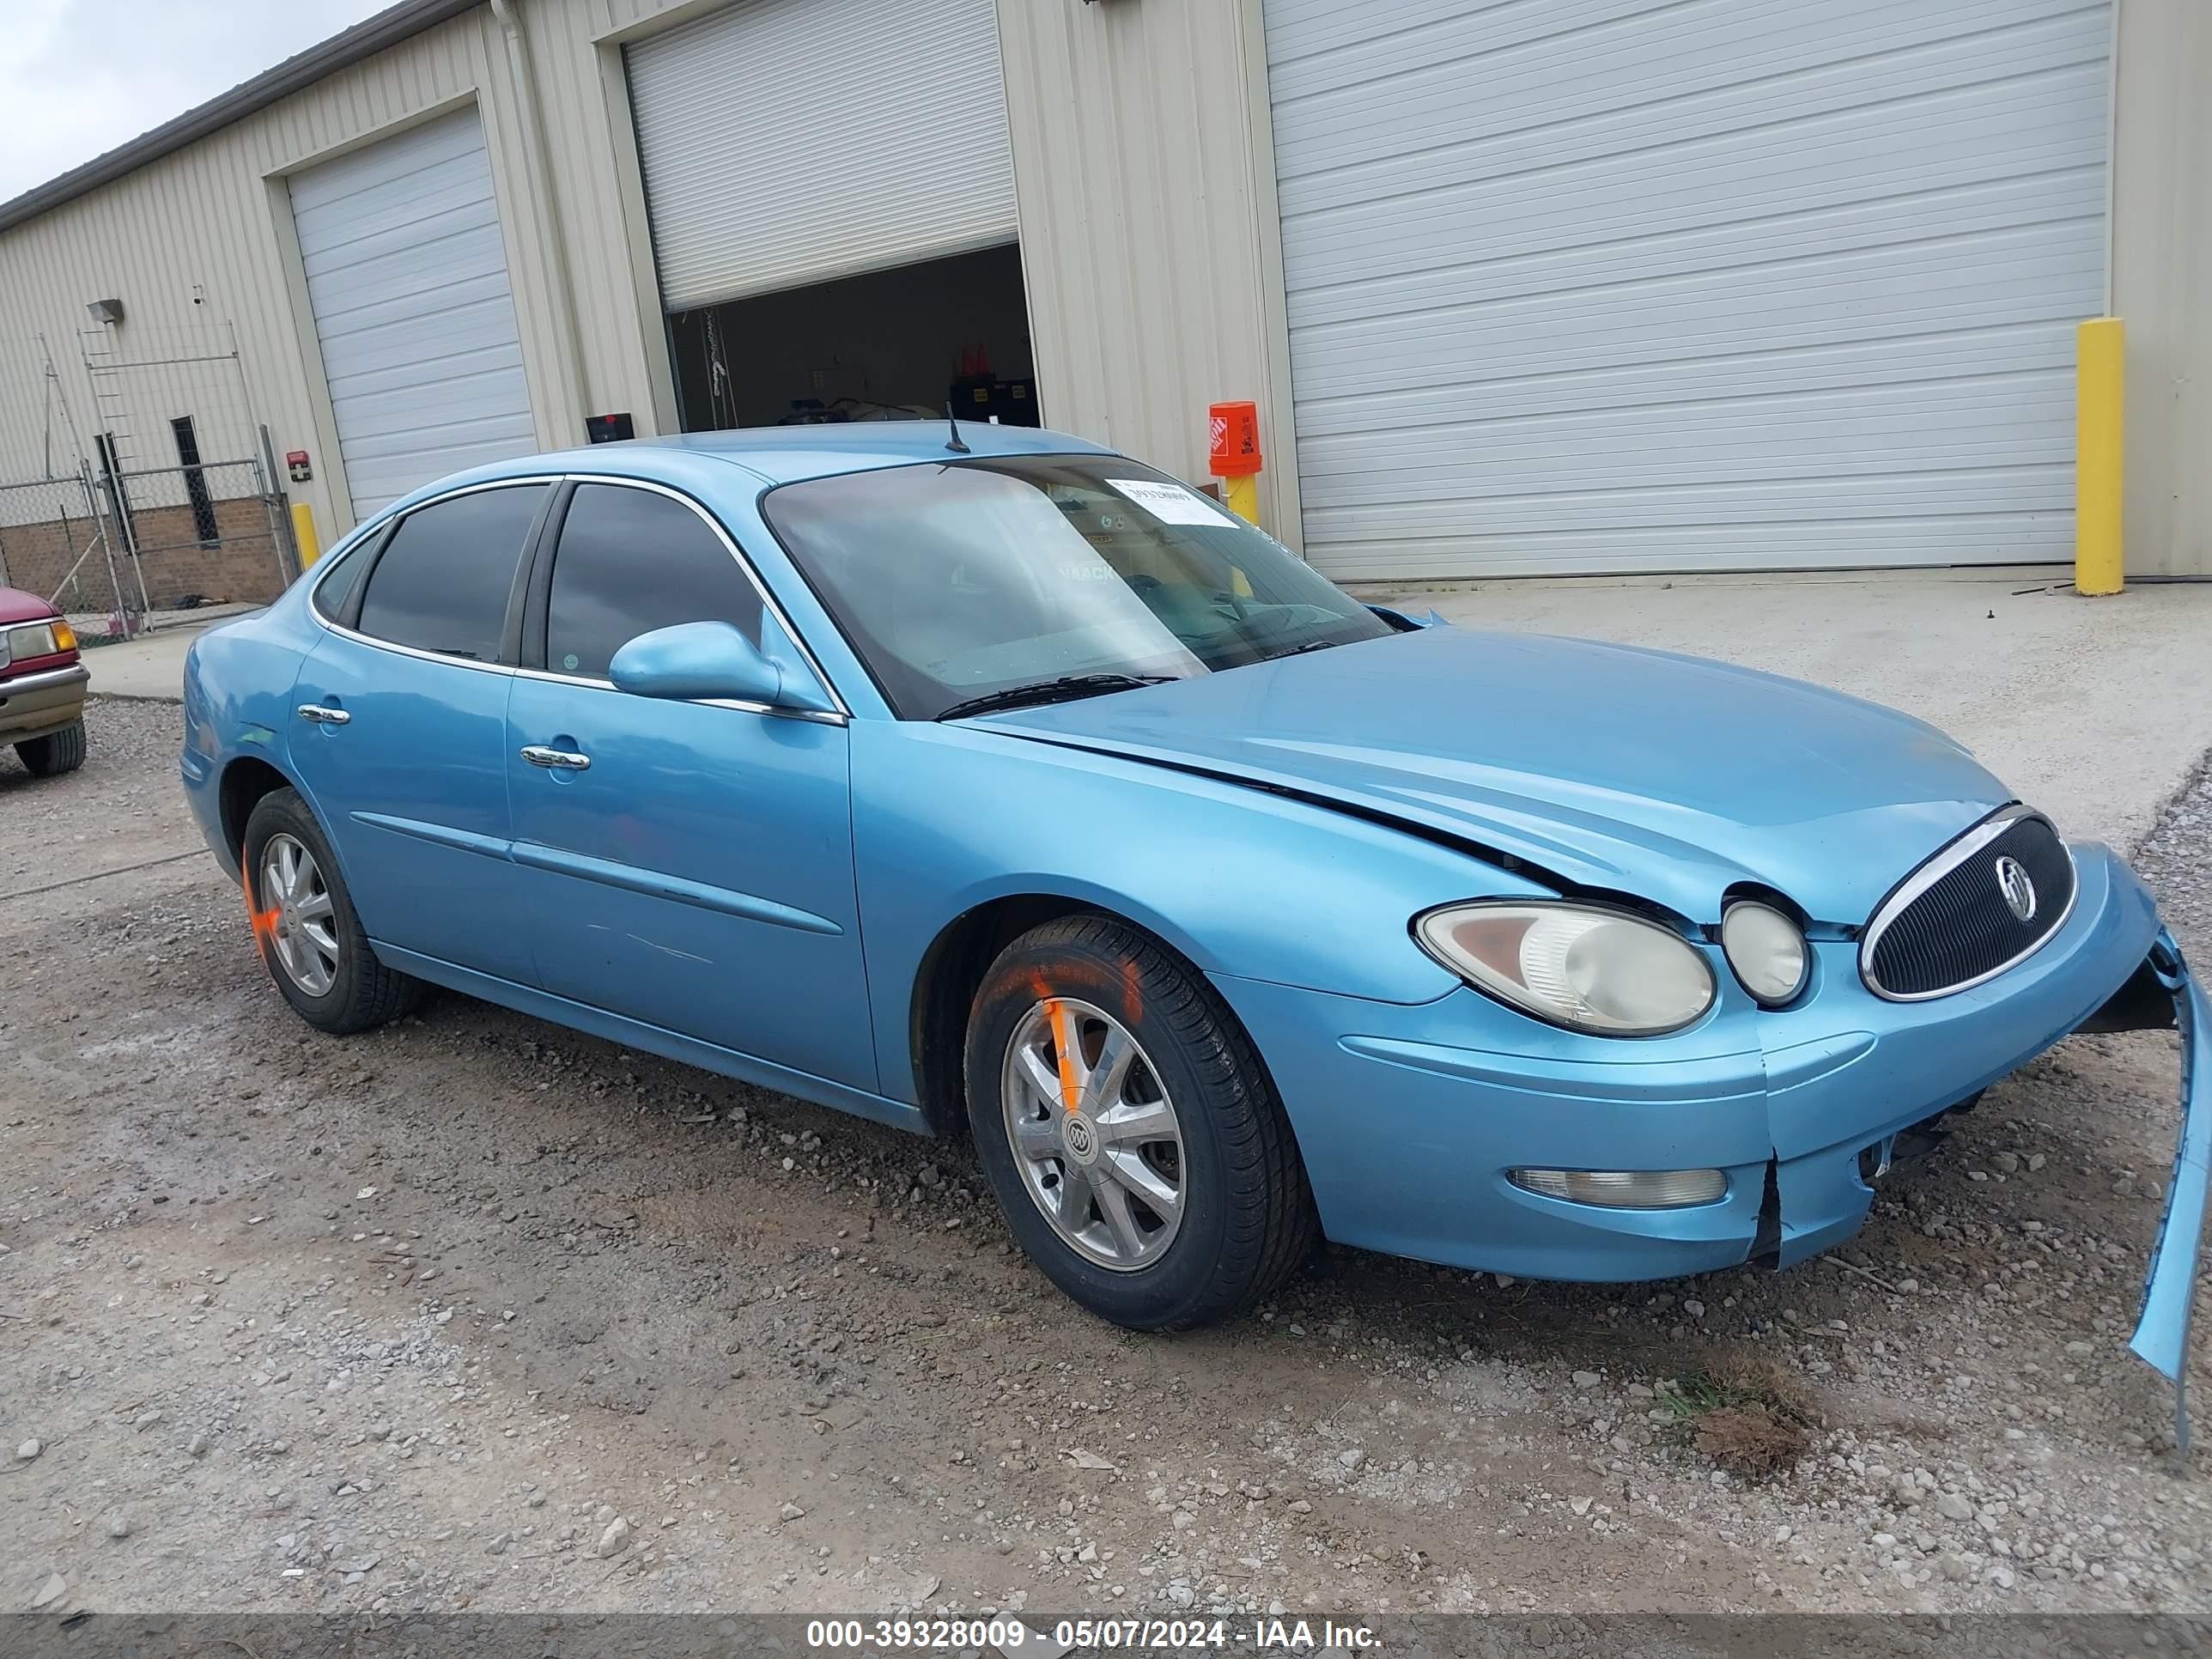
[{"x": 1171, "y": 503}]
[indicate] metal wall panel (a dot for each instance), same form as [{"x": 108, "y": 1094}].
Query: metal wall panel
[
  {"x": 1604, "y": 285},
  {"x": 406, "y": 273},
  {"x": 205, "y": 236},
  {"x": 788, "y": 142},
  {"x": 2161, "y": 274},
  {"x": 1149, "y": 231},
  {"x": 1146, "y": 189},
  {"x": 1144, "y": 192}
]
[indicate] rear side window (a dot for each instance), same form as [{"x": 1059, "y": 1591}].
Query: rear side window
[
  {"x": 631, "y": 561},
  {"x": 337, "y": 586},
  {"x": 443, "y": 582}
]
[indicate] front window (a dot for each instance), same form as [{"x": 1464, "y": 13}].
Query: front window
[
  {"x": 631, "y": 561},
  {"x": 1068, "y": 573}
]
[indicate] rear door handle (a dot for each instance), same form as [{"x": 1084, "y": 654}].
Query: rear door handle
[
  {"x": 564, "y": 760},
  {"x": 322, "y": 716}
]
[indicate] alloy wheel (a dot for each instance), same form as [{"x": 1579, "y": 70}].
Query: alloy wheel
[
  {"x": 1095, "y": 1137},
  {"x": 302, "y": 925}
]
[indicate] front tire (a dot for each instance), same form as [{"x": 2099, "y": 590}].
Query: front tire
[
  {"x": 55, "y": 753},
  {"x": 305, "y": 926},
  {"x": 1129, "y": 1130}
]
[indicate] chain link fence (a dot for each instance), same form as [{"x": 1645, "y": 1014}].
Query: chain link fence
[
  {"x": 154, "y": 494},
  {"x": 208, "y": 533},
  {"x": 54, "y": 543}
]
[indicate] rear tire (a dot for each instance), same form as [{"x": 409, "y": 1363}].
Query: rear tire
[
  {"x": 1172, "y": 1196},
  {"x": 55, "y": 753},
  {"x": 340, "y": 990}
]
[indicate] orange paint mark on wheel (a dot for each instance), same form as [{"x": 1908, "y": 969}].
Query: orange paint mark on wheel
[
  {"x": 1071, "y": 1091},
  {"x": 264, "y": 922}
]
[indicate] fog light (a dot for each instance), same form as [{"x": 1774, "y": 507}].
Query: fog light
[{"x": 1625, "y": 1190}]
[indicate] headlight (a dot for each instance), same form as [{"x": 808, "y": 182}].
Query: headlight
[
  {"x": 40, "y": 639},
  {"x": 1604, "y": 972},
  {"x": 1767, "y": 951}
]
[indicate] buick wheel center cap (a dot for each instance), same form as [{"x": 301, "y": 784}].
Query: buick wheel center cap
[
  {"x": 1081, "y": 1136},
  {"x": 2019, "y": 891}
]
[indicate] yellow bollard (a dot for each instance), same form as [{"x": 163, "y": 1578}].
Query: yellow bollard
[
  {"x": 2100, "y": 379},
  {"x": 303, "y": 533},
  {"x": 1242, "y": 495}
]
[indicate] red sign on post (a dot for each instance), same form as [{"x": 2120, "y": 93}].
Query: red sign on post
[{"x": 1233, "y": 430}]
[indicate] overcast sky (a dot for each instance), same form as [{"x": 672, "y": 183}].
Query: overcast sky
[{"x": 81, "y": 76}]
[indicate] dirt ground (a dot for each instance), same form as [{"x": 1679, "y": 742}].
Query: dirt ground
[{"x": 477, "y": 1312}]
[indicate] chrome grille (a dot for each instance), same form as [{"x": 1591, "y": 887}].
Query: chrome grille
[{"x": 1958, "y": 919}]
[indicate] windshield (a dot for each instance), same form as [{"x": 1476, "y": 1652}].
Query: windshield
[{"x": 962, "y": 579}]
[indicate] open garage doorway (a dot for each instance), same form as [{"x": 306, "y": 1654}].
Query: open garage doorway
[
  {"x": 887, "y": 345},
  {"x": 830, "y": 189}
]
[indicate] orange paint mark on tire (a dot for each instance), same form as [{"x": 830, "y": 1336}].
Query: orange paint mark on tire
[
  {"x": 1132, "y": 994},
  {"x": 263, "y": 922}
]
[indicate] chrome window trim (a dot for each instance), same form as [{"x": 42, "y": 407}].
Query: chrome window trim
[
  {"x": 744, "y": 705},
  {"x": 760, "y": 588},
  {"x": 1941, "y": 865},
  {"x": 842, "y": 714},
  {"x": 414, "y": 651}
]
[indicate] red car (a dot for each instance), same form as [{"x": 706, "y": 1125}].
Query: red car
[{"x": 41, "y": 685}]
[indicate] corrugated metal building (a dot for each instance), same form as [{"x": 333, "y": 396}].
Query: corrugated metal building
[{"x": 1519, "y": 286}]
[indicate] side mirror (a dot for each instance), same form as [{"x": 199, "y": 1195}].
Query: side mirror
[{"x": 701, "y": 660}]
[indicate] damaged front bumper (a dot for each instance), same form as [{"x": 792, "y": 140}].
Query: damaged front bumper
[
  {"x": 2161, "y": 1337},
  {"x": 1412, "y": 1118}
]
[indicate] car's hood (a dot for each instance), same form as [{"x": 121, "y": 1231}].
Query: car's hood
[
  {"x": 17, "y": 606},
  {"x": 1611, "y": 768}
]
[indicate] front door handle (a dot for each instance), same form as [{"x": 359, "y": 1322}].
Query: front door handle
[
  {"x": 322, "y": 716},
  {"x": 565, "y": 760}
]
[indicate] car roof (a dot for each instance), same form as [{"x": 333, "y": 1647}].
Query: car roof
[
  {"x": 781, "y": 453},
  {"x": 705, "y": 461}
]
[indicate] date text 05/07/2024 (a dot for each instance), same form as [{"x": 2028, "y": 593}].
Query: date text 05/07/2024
[{"x": 1304, "y": 1636}]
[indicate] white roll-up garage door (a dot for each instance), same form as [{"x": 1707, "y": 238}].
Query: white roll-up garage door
[
  {"x": 1611, "y": 285},
  {"x": 787, "y": 141},
  {"x": 407, "y": 279}
]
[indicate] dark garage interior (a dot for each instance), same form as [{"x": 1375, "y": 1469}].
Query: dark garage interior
[{"x": 892, "y": 345}]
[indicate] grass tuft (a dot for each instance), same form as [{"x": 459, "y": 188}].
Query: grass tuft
[{"x": 1753, "y": 1417}]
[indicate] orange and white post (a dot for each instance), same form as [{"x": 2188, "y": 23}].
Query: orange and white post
[{"x": 1233, "y": 456}]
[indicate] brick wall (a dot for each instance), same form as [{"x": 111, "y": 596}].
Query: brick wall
[{"x": 242, "y": 567}]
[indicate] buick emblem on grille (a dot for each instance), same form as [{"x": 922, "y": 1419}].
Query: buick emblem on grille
[{"x": 2019, "y": 891}]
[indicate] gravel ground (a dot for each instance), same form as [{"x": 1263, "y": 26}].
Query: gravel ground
[{"x": 476, "y": 1312}]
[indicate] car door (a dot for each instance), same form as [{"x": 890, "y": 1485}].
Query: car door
[
  {"x": 399, "y": 732},
  {"x": 689, "y": 863}
]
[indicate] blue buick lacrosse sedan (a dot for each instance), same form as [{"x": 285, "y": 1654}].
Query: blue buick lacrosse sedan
[{"x": 988, "y": 782}]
